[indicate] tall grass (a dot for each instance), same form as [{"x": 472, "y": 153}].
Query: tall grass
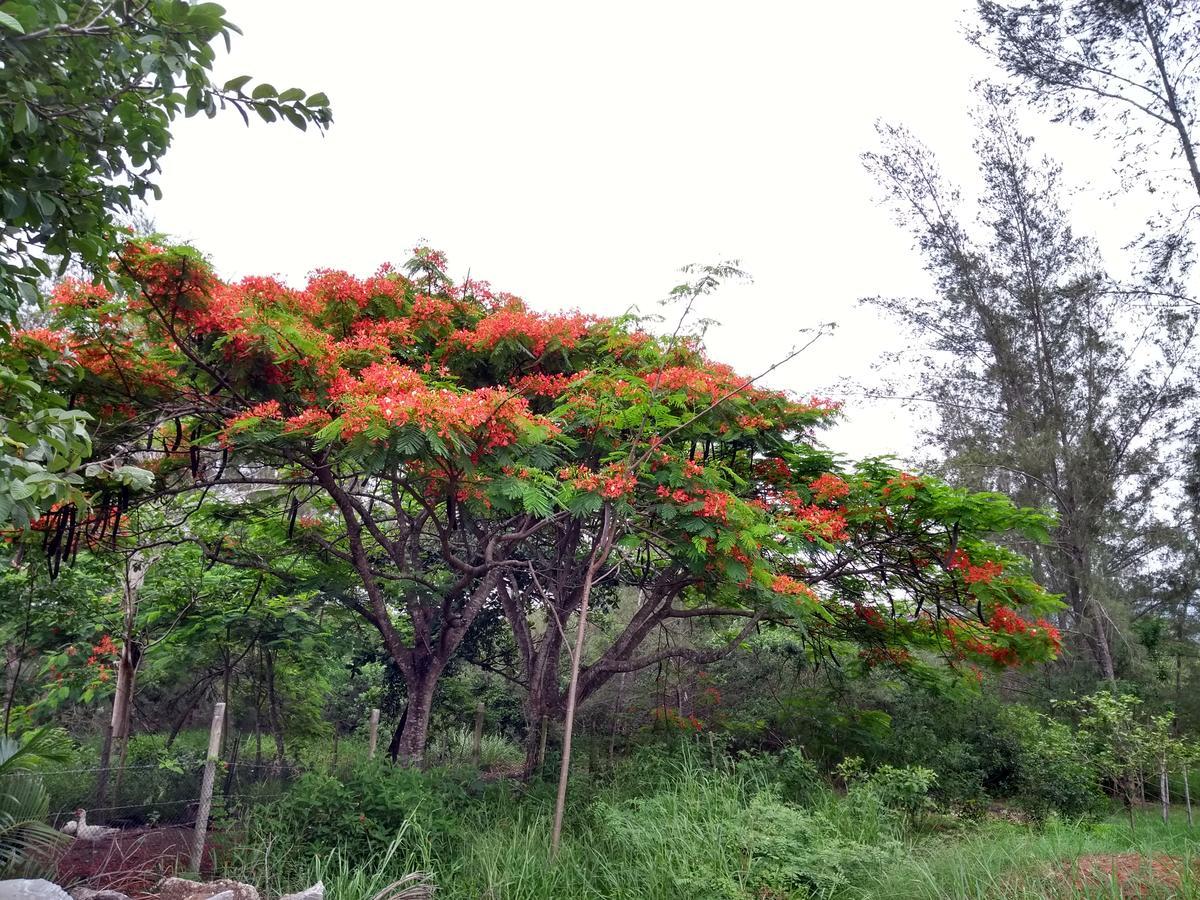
[
  {"x": 673, "y": 826},
  {"x": 1007, "y": 860},
  {"x": 455, "y": 747}
]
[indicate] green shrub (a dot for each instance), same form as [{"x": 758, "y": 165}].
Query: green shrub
[
  {"x": 905, "y": 790},
  {"x": 795, "y": 776},
  {"x": 1052, "y": 769},
  {"x": 366, "y": 809}
]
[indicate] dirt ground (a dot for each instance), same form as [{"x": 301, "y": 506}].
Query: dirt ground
[
  {"x": 131, "y": 861},
  {"x": 1137, "y": 875}
]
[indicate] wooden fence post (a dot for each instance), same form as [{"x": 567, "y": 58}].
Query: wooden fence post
[
  {"x": 206, "y": 786},
  {"x": 477, "y": 744},
  {"x": 1164, "y": 789},
  {"x": 373, "y": 739},
  {"x": 1187, "y": 795}
]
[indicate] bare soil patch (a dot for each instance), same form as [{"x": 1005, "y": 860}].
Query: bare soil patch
[
  {"x": 132, "y": 861},
  {"x": 1135, "y": 874}
]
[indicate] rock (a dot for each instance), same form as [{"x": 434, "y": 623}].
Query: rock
[
  {"x": 225, "y": 889},
  {"x": 316, "y": 892},
  {"x": 31, "y": 889},
  {"x": 86, "y": 893}
]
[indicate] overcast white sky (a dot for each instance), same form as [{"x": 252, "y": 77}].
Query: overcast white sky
[{"x": 578, "y": 154}]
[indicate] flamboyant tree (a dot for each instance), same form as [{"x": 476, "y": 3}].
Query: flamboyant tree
[{"x": 455, "y": 450}]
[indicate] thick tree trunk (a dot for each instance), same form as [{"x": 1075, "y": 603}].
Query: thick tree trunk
[
  {"x": 410, "y": 750},
  {"x": 536, "y": 720},
  {"x": 1103, "y": 650}
]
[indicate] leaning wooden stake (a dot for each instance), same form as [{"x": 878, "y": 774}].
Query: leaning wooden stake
[
  {"x": 599, "y": 554},
  {"x": 206, "y": 786},
  {"x": 373, "y": 739},
  {"x": 477, "y": 743}
]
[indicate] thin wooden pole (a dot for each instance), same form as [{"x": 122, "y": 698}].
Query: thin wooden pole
[
  {"x": 1187, "y": 795},
  {"x": 564, "y": 768},
  {"x": 1164, "y": 788},
  {"x": 373, "y": 739},
  {"x": 599, "y": 554},
  {"x": 206, "y": 786},
  {"x": 477, "y": 743}
]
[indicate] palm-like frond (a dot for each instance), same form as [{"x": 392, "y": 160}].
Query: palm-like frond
[
  {"x": 24, "y": 834},
  {"x": 46, "y": 745}
]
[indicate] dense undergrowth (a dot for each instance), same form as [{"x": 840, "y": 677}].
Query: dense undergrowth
[{"x": 662, "y": 824}]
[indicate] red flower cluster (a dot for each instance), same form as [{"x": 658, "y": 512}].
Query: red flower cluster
[
  {"x": 773, "y": 469},
  {"x": 973, "y": 574},
  {"x": 1001, "y": 656},
  {"x": 870, "y": 615},
  {"x": 613, "y": 483},
  {"x": 307, "y": 421},
  {"x": 268, "y": 409},
  {"x": 106, "y": 647},
  {"x": 829, "y": 524},
  {"x": 829, "y": 488},
  {"x": 753, "y": 422},
  {"x": 176, "y": 286},
  {"x": 617, "y": 482},
  {"x": 396, "y": 395},
  {"x": 541, "y": 385},
  {"x": 535, "y": 331},
  {"x": 45, "y": 337},
  {"x": 783, "y": 584},
  {"x": 678, "y": 495},
  {"x": 72, "y": 292},
  {"x": 1005, "y": 620},
  {"x": 713, "y": 504},
  {"x": 712, "y": 382}
]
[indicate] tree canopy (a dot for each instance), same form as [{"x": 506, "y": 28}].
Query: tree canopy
[{"x": 452, "y": 447}]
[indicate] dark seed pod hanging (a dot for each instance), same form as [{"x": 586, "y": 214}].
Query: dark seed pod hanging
[
  {"x": 122, "y": 505},
  {"x": 212, "y": 560},
  {"x": 221, "y": 467},
  {"x": 178, "y": 435},
  {"x": 292, "y": 512}
]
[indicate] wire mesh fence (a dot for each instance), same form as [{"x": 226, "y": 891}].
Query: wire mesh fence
[
  {"x": 186, "y": 803},
  {"x": 126, "y": 827}
]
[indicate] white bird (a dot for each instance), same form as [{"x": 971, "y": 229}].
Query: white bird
[
  {"x": 69, "y": 827},
  {"x": 85, "y": 832}
]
